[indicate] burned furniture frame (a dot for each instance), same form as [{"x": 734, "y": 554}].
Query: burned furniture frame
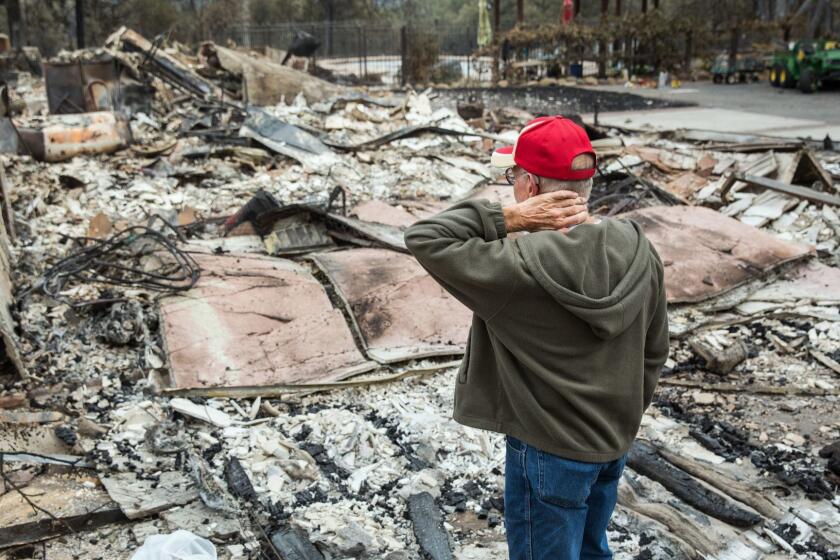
[{"x": 82, "y": 86}]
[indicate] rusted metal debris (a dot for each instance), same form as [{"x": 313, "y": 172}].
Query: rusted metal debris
[
  {"x": 706, "y": 254},
  {"x": 264, "y": 82},
  {"x": 82, "y": 86},
  {"x": 63, "y": 137},
  {"x": 401, "y": 312},
  {"x": 256, "y": 321},
  {"x": 281, "y": 137},
  {"x": 163, "y": 65}
]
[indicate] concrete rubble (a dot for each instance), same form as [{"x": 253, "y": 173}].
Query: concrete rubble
[{"x": 210, "y": 323}]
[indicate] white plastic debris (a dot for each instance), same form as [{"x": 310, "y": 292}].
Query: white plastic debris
[
  {"x": 180, "y": 545},
  {"x": 202, "y": 412}
]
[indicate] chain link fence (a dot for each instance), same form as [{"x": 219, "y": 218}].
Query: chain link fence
[{"x": 376, "y": 53}]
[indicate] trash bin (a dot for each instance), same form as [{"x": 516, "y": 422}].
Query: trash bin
[{"x": 576, "y": 70}]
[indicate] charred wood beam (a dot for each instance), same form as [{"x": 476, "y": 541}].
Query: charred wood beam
[
  {"x": 740, "y": 491},
  {"x": 293, "y": 544},
  {"x": 238, "y": 482},
  {"x": 35, "y": 531},
  {"x": 644, "y": 459},
  {"x": 428, "y": 527}
]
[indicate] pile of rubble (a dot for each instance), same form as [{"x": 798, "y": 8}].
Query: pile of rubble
[{"x": 211, "y": 322}]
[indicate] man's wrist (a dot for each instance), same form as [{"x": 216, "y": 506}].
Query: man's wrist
[{"x": 512, "y": 219}]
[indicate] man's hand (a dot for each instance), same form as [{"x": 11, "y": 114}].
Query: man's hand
[{"x": 558, "y": 210}]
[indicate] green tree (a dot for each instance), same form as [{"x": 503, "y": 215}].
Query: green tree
[{"x": 150, "y": 17}]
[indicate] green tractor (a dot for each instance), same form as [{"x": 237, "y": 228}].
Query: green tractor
[{"x": 806, "y": 65}]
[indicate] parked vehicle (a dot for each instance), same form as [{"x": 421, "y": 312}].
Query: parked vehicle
[
  {"x": 747, "y": 69},
  {"x": 808, "y": 65}
]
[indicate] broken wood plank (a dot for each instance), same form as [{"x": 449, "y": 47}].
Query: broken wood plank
[
  {"x": 30, "y": 417},
  {"x": 677, "y": 522},
  {"x": 794, "y": 190},
  {"x": 719, "y": 360},
  {"x": 739, "y": 490},
  {"x": 641, "y": 522},
  {"x": 825, "y": 360},
  {"x": 644, "y": 459},
  {"x": 45, "y": 459},
  {"x": 428, "y": 526},
  {"x": 780, "y": 344},
  {"x": 141, "y": 497},
  {"x": 74, "y": 502},
  {"x": 755, "y": 389},
  {"x": 307, "y": 388}
]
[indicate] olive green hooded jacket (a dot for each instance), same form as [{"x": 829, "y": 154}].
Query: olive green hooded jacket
[{"x": 569, "y": 333}]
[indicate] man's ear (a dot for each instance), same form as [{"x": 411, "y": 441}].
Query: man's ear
[{"x": 533, "y": 187}]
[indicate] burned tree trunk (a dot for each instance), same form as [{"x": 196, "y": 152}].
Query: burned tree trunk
[
  {"x": 689, "y": 47},
  {"x": 734, "y": 40},
  {"x": 602, "y": 43},
  {"x": 15, "y": 18},
  {"x": 496, "y": 43},
  {"x": 80, "y": 24},
  {"x": 645, "y": 460}
]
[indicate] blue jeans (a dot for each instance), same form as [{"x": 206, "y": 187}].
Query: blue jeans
[{"x": 557, "y": 508}]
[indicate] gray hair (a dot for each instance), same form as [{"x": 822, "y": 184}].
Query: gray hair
[{"x": 582, "y": 187}]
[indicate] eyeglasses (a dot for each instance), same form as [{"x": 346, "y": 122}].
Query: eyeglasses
[{"x": 510, "y": 176}]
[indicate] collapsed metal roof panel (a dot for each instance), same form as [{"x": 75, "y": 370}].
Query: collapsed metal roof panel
[
  {"x": 706, "y": 253},
  {"x": 401, "y": 312},
  {"x": 256, "y": 321}
]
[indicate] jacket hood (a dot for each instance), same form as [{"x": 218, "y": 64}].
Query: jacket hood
[{"x": 599, "y": 272}]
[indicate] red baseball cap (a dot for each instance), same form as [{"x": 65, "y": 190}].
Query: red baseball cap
[{"x": 553, "y": 147}]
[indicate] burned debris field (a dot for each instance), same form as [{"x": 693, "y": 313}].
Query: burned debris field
[
  {"x": 211, "y": 322},
  {"x": 546, "y": 99}
]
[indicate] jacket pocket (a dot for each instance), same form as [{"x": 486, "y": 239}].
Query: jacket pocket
[
  {"x": 564, "y": 482},
  {"x": 465, "y": 361}
]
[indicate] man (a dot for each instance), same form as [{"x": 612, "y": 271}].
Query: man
[{"x": 569, "y": 334}]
